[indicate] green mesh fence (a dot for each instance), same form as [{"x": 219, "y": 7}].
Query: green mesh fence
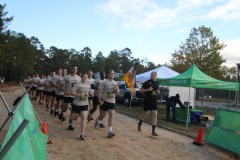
[
  {"x": 31, "y": 144},
  {"x": 225, "y": 131}
]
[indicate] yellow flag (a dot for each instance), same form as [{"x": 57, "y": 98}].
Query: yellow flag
[{"x": 129, "y": 78}]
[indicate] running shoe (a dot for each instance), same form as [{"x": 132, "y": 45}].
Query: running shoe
[
  {"x": 154, "y": 134},
  {"x": 139, "y": 128},
  {"x": 96, "y": 125},
  {"x": 70, "y": 127},
  {"x": 56, "y": 113},
  {"x": 101, "y": 125},
  {"x": 47, "y": 106},
  {"x": 63, "y": 118},
  {"x": 89, "y": 118},
  {"x": 110, "y": 135},
  {"x": 82, "y": 137}
]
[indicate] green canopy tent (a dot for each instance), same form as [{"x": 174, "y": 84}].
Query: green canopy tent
[{"x": 194, "y": 77}]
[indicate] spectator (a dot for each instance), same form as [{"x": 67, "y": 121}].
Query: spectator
[{"x": 171, "y": 103}]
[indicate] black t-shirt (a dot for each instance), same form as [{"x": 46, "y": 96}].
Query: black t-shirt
[{"x": 151, "y": 94}]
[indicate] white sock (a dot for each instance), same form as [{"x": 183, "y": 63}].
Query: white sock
[{"x": 109, "y": 129}]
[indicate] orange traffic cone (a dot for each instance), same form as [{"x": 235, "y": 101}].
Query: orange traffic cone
[
  {"x": 44, "y": 128},
  {"x": 199, "y": 139},
  {"x": 45, "y": 131}
]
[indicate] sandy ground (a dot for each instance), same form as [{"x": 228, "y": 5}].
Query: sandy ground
[{"x": 128, "y": 144}]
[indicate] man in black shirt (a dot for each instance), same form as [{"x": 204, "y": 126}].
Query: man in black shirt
[
  {"x": 151, "y": 89},
  {"x": 171, "y": 103}
]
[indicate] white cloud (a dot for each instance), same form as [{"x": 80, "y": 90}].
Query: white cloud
[
  {"x": 144, "y": 14},
  {"x": 148, "y": 14},
  {"x": 227, "y": 12},
  {"x": 231, "y": 52}
]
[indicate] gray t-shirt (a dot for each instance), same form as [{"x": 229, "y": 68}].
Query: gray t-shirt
[
  {"x": 108, "y": 87},
  {"x": 81, "y": 88}
]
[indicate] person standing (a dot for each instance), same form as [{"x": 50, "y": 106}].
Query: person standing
[
  {"x": 171, "y": 103},
  {"x": 108, "y": 88},
  {"x": 81, "y": 91},
  {"x": 151, "y": 89}
]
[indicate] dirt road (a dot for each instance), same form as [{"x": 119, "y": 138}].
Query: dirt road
[{"x": 128, "y": 144}]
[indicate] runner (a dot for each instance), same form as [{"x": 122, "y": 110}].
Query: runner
[
  {"x": 48, "y": 89},
  {"x": 151, "y": 90},
  {"x": 96, "y": 85},
  {"x": 108, "y": 88},
  {"x": 90, "y": 81},
  {"x": 54, "y": 88},
  {"x": 66, "y": 85},
  {"x": 81, "y": 91},
  {"x": 40, "y": 88},
  {"x": 59, "y": 92},
  {"x": 33, "y": 90}
]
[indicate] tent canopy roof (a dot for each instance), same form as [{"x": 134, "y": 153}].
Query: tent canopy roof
[
  {"x": 162, "y": 72},
  {"x": 194, "y": 77}
]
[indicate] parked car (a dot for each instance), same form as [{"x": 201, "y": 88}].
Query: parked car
[{"x": 126, "y": 96}]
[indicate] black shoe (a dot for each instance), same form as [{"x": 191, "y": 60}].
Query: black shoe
[
  {"x": 47, "y": 106},
  {"x": 60, "y": 116},
  {"x": 101, "y": 125},
  {"x": 110, "y": 135},
  {"x": 56, "y": 113},
  {"x": 89, "y": 118},
  {"x": 139, "y": 128},
  {"x": 154, "y": 134},
  {"x": 70, "y": 127},
  {"x": 63, "y": 119},
  {"x": 51, "y": 112},
  {"x": 82, "y": 137}
]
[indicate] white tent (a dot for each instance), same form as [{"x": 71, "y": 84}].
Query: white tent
[{"x": 162, "y": 72}]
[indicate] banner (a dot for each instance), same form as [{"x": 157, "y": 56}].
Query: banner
[
  {"x": 225, "y": 131},
  {"x": 130, "y": 76},
  {"x": 31, "y": 144}
]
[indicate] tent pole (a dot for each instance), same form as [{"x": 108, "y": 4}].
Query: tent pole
[{"x": 188, "y": 107}]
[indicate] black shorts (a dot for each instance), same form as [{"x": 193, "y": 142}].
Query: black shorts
[
  {"x": 106, "y": 106},
  {"x": 79, "y": 109},
  {"x": 53, "y": 93},
  {"x": 59, "y": 97},
  {"x": 68, "y": 99},
  {"x": 47, "y": 93},
  {"x": 39, "y": 91},
  {"x": 95, "y": 100},
  {"x": 33, "y": 88},
  {"x": 150, "y": 105},
  {"x": 90, "y": 98}
]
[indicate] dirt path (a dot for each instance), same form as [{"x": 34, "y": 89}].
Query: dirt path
[{"x": 128, "y": 144}]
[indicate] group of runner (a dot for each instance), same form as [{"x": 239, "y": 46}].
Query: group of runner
[
  {"x": 80, "y": 93},
  {"x": 83, "y": 96}
]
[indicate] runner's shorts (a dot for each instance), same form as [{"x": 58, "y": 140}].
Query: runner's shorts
[
  {"x": 79, "y": 109},
  {"x": 150, "y": 104},
  {"x": 106, "y": 106}
]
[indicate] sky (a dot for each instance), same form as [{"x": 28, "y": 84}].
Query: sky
[{"x": 152, "y": 29}]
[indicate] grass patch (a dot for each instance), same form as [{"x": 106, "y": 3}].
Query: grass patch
[{"x": 190, "y": 131}]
